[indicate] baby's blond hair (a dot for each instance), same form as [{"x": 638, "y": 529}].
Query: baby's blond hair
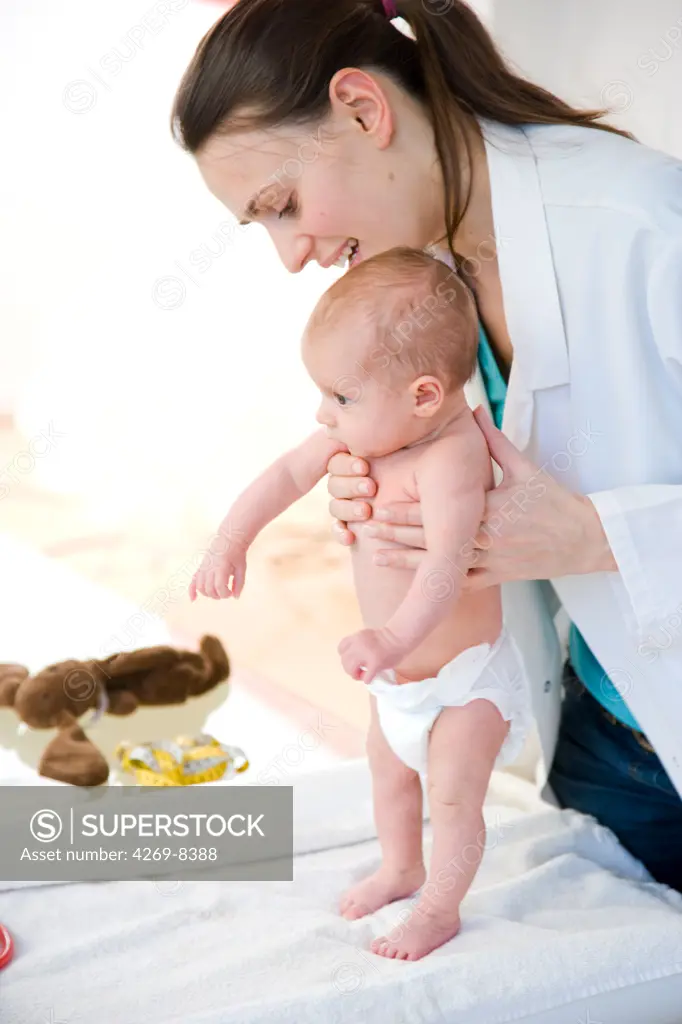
[{"x": 423, "y": 314}]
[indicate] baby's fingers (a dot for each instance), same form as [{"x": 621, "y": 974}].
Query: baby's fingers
[
  {"x": 199, "y": 584},
  {"x": 222, "y": 581},
  {"x": 367, "y": 673},
  {"x": 344, "y": 645},
  {"x": 210, "y": 589},
  {"x": 350, "y": 659},
  {"x": 239, "y": 577},
  {"x": 359, "y": 670}
]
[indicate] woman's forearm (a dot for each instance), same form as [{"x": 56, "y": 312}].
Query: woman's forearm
[{"x": 597, "y": 555}]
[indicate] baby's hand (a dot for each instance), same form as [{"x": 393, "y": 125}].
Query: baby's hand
[
  {"x": 370, "y": 651},
  {"x": 224, "y": 559}
]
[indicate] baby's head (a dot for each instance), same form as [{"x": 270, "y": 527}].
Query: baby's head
[{"x": 390, "y": 346}]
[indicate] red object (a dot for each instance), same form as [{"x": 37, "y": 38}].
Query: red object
[{"x": 6, "y": 947}]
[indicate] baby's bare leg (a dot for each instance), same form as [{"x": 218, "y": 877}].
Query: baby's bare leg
[
  {"x": 397, "y": 795},
  {"x": 463, "y": 747}
]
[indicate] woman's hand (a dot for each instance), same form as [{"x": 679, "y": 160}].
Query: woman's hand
[
  {"x": 533, "y": 527},
  {"x": 348, "y": 480},
  {"x": 348, "y": 475}
]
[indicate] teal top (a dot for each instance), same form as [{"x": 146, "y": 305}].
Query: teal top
[{"x": 587, "y": 668}]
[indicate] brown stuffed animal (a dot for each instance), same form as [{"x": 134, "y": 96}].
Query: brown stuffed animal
[{"x": 58, "y": 695}]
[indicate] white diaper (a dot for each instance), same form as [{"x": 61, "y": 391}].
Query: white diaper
[{"x": 494, "y": 672}]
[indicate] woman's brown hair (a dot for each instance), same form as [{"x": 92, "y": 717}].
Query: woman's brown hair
[{"x": 267, "y": 63}]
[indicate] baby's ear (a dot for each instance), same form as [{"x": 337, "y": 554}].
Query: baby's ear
[{"x": 428, "y": 395}]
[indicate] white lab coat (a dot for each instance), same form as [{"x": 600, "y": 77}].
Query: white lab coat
[{"x": 589, "y": 236}]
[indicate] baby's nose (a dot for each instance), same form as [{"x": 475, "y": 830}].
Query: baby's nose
[{"x": 324, "y": 417}]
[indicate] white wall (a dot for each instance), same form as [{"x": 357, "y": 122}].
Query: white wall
[
  {"x": 96, "y": 206},
  {"x": 622, "y": 54},
  {"x": 130, "y": 316}
]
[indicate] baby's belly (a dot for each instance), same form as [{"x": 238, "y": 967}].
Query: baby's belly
[{"x": 475, "y": 619}]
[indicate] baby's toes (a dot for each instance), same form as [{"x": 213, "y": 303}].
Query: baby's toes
[
  {"x": 345, "y": 904},
  {"x": 355, "y": 910},
  {"x": 381, "y": 946}
]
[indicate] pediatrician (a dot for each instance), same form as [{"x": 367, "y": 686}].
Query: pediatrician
[{"x": 344, "y": 135}]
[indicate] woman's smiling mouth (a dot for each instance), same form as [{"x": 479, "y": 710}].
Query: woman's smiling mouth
[{"x": 347, "y": 254}]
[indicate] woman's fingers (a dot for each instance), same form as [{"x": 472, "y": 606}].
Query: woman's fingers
[
  {"x": 342, "y": 534},
  {"x": 348, "y": 480},
  {"x": 506, "y": 455},
  {"x": 400, "y": 513},
  {"x": 351, "y": 487},
  {"x": 350, "y": 511},
  {"x": 343, "y": 464},
  {"x": 399, "y": 558},
  {"x": 410, "y": 536}
]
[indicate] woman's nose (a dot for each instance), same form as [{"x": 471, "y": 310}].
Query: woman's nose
[{"x": 293, "y": 250}]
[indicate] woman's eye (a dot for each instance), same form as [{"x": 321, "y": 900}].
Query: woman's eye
[{"x": 288, "y": 209}]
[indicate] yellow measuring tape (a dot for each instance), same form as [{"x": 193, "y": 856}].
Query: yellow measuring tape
[{"x": 184, "y": 761}]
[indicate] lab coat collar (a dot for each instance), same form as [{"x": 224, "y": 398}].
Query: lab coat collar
[{"x": 529, "y": 286}]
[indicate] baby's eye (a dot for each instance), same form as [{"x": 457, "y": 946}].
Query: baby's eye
[{"x": 341, "y": 399}]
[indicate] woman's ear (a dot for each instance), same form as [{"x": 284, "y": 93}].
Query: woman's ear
[
  {"x": 427, "y": 394},
  {"x": 357, "y": 95}
]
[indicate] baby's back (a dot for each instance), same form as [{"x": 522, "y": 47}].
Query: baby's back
[{"x": 476, "y": 618}]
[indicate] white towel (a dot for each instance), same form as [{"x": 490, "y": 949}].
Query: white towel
[{"x": 557, "y": 912}]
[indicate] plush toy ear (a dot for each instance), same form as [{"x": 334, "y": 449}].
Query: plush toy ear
[
  {"x": 216, "y": 660},
  {"x": 11, "y": 678},
  {"x": 71, "y": 757}
]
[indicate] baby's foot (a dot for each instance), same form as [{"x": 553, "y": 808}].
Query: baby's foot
[
  {"x": 384, "y": 886},
  {"x": 426, "y": 928}
]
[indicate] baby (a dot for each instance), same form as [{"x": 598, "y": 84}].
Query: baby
[{"x": 390, "y": 346}]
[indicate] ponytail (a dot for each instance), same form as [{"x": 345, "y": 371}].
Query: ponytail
[{"x": 465, "y": 74}]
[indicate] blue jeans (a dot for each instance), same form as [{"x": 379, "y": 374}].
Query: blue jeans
[{"x": 603, "y": 768}]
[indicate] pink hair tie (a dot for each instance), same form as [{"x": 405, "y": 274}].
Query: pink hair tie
[{"x": 390, "y": 9}]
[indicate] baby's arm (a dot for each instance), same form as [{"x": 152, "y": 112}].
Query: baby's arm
[
  {"x": 451, "y": 488},
  {"x": 284, "y": 482},
  {"x": 280, "y": 485},
  {"x": 452, "y": 495}
]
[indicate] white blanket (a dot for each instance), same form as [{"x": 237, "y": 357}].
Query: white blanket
[{"x": 558, "y": 914}]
